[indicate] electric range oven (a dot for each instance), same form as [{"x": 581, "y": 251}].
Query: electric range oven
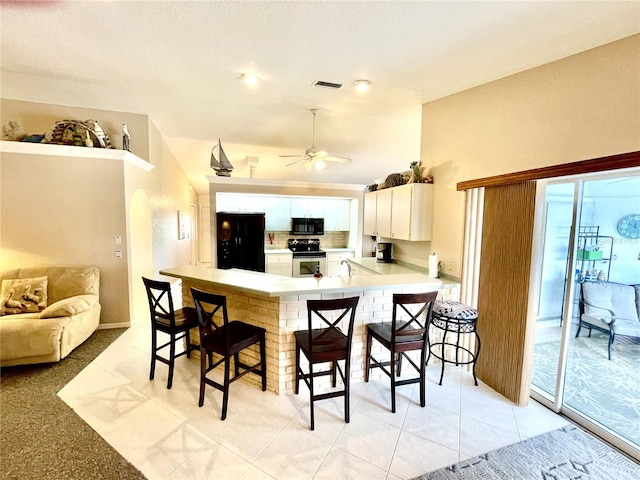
[{"x": 307, "y": 257}]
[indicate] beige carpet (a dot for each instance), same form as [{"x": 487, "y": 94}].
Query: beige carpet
[{"x": 40, "y": 436}]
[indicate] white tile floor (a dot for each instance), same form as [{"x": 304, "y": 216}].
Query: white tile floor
[{"x": 265, "y": 436}]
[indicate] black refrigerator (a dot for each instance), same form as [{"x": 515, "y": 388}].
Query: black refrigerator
[{"x": 240, "y": 238}]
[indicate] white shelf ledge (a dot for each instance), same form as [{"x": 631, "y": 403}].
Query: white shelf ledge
[
  {"x": 27, "y": 148},
  {"x": 265, "y": 182}
]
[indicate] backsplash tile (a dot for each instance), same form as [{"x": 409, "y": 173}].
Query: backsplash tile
[{"x": 328, "y": 240}]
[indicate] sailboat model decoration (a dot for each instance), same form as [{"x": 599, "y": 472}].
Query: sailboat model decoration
[{"x": 222, "y": 167}]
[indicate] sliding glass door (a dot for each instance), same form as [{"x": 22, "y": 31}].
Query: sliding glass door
[{"x": 581, "y": 243}]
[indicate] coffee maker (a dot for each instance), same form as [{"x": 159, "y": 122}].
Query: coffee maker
[{"x": 384, "y": 252}]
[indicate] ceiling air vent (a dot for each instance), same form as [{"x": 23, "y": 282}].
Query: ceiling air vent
[{"x": 333, "y": 86}]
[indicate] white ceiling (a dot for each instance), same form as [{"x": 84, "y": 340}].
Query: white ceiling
[{"x": 180, "y": 63}]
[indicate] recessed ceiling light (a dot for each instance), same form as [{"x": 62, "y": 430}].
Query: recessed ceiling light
[
  {"x": 362, "y": 85},
  {"x": 249, "y": 79}
]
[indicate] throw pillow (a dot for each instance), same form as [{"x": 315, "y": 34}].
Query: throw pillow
[{"x": 23, "y": 295}]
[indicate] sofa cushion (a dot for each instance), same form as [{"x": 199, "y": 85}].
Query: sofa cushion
[
  {"x": 68, "y": 307},
  {"x": 18, "y": 316},
  {"x": 74, "y": 281},
  {"x": 63, "y": 281},
  {"x": 23, "y": 295},
  {"x": 619, "y": 298},
  {"x": 32, "y": 338}
]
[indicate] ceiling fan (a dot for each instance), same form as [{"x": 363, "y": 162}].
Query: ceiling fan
[{"x": 313, "y": 157}]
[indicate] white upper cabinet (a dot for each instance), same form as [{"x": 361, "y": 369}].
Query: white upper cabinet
[
  {"x": 383, "y": 212},
  {"x": 403, "y": 213},
  {"x": 239, "y": 202},
  {"x": 278, "y": 216},
  {"x": 369, "y": 226},
  {"x": 279, "y": 209},
  {"x": 307, "y": 207},
  {"x": 377, "y": 213},
  {"x": 337, "y": 214}
]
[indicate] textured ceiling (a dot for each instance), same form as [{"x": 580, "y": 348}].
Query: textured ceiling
[{"x": 180, "y": 62}]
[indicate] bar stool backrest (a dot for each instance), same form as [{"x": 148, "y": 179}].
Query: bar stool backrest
[
  {"x": 212, "y": 314},
  {"x": 160, "y": 300},
  {"x": 407, "y": 323},
  {"x": 328, "y": 315}
]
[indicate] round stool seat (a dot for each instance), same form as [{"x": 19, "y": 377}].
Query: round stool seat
[
  {"x": 457, "y": 318},
  {"x": 455, "y": 310}
]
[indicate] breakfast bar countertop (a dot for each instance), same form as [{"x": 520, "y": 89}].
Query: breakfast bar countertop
[{"x": 277, "y": 285}]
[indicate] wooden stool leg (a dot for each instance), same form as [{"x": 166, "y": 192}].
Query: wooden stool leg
[
  {"x": 225, "y": 392},
  {"x": 347, "y": 384},
  {"x": 154, "y": 344},
  {"x": 311, "y": 393},
  {"x": 188, "y": 341},
  {"x": 172, "y": 359},
  {"x": 423, "y": 378},
  {"x": 392, "y": 366},
  {"x": 263, "y": 361},
  {"x": 367, "y": 358},
  {"x": 297, "y": 387},
  {"x": 203, "y": 373}
]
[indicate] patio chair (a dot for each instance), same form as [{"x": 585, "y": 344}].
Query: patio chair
[{"x": 611, "y": 308}]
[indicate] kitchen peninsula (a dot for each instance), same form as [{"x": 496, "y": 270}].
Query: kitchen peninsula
[{"x": 278, "y": 304}]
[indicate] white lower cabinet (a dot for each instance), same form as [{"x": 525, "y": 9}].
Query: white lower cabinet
[
  {"x": 358, "y": 270},
  {"x": 279, "y": 263}
]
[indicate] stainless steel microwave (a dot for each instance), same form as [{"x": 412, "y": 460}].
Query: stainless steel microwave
[{"x": 307, "y": 226}]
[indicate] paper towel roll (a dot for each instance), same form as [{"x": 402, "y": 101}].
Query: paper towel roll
[{"x": 433, "y": 265}]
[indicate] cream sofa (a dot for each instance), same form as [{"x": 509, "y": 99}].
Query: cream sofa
[{"x": 68, "y": 315}]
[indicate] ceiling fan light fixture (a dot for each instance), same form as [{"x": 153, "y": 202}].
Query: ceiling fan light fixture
[
  {"x": 248, "y": 79},
  {"x": 362, "y": 85},
  {"x": 320, "y": 164}
]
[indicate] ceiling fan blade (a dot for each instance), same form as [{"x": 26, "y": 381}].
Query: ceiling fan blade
[
  {"x": 297, "y": 161},
  {"x": 331, "y": 158},
  {"x": 313, "y": 154}
]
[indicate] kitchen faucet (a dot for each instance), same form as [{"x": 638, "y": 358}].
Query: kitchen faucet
[{"x": 345, "y": 262}]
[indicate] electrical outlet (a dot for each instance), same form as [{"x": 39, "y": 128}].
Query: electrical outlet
[{"x": 450, "y": 266}]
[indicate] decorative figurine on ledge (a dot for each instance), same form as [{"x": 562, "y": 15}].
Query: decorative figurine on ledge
[
  {"x": 78, "y": 133},
  {"x": 416, "y": 173},
  {"x": 126, "y": 136},
  {"x": 13, "y": 131}
]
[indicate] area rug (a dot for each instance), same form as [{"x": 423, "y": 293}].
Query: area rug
[
  {"x": 564, "y": 454},
  {"x": 40, "y": 436},
  {"x": 607, "y": 391}
]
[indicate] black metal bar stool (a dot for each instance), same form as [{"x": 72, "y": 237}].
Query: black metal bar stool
[{"x": 457, "y": 318}]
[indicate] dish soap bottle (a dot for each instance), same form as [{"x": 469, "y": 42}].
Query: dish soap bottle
[{"x": 318, "y": 274}]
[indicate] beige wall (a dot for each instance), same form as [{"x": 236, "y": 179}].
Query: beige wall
[
  {"x": 86, "y": 202},
  {"x": 66, "y": 211},
  {"x": 584, "y": 106}
]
